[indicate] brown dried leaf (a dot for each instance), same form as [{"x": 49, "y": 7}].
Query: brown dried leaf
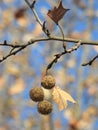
[
  {"x": 61, "y": 97},
  {"x": 57, "y": 13}
]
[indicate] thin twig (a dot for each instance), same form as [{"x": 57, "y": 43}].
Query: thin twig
[
  {"x": 91, "y": 61},
  {"x": 31, "y": 6},
  {"x": 9, "y": 45},
  {"x": 34, "y": 12},
  {"x": 12, "y": 53},
  {"x": 18, "y": 49},
  {"x": 74, "y": 48},
  {"x": 58, "y": 56},
  {"x": 11, "y": 50}
]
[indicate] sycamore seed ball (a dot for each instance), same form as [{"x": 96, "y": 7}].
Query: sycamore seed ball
[
  {"x": 48, "y": 82},
  {"x": 44, "y": 107},
  {"x": 36, "y": 94}
]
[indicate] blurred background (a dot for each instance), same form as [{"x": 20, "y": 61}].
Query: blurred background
[{"x": 21, "y": 72}]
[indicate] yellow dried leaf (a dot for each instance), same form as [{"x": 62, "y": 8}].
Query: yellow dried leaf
[{"x": 61, "y": 97}]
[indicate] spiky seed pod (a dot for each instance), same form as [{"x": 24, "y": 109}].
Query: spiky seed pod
[
  {"x": 36, "y": 94},
  {"x": 48, "y": 82},
  {"x": 44, "y": 107}
]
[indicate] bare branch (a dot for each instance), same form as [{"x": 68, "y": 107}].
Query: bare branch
[
  {"x": 32, "y": 41},
  {"x": 34, "y": 12},
  {"x": 91, "y": 61},
  {"x": 75, "y": 47},
  {"x": 9, "y": 45},
  {"x": 31, "y": 6},
  {"x": 12, "y": 53},
  {"x": 58, "y": 56},
  {"x": 20, "y": 47}
]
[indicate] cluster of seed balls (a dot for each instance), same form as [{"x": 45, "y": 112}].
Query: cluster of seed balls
[{"x": 37, "y": 95}]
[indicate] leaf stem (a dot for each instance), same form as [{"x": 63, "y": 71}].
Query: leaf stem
[{"x": 64, "y": 46}]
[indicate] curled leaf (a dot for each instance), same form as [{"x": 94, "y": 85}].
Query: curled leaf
[
  {"x": 57, "y": 13},
  {"x": 61, "y": 97}
]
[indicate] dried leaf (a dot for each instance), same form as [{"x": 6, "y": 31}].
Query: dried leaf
[
  {"x": 57, "y": 13},
  {"x": 61, "y": 97}
]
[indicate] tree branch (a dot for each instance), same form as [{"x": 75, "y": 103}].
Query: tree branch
[
  {"x": 31, "y": 6},
  {"x": 12, "y": 53},
  {"x": 34, "y": 12},
  {"x": 9, "y": 45},
  {"x": 58, "y": 56},
  {"x": 54, "y": 38},
  {"x": 32, "y": 41},
  {"x": 91, "y": 61}
]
